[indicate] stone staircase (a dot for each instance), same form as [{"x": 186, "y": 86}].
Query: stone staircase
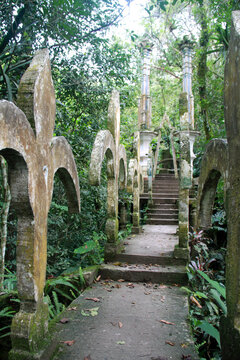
[
  {"x": 148, "y": 256},
  {"x": 165, "y": 191}
]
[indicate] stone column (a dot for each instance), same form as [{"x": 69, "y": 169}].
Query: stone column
[
  {"x": 187, "y": 136},
  {"x": 145, "y": 109},
  {"x": 134, "y": 169},
  {"x": 186, "y": 48},
  {"x": 112, "y": 225}
]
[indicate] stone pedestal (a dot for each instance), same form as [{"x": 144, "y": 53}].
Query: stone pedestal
[{"x": 146, "y": 137}]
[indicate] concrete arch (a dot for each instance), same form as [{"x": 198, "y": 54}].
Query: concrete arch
[
  {"x": 214, "y": 165},
  {"x": 103, "y": 145},
  {"x": 65, "y": 166}
]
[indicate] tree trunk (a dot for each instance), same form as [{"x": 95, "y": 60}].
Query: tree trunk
[
  {"x": 202, "y": 69},
  {"x": 3, "y": 217}
]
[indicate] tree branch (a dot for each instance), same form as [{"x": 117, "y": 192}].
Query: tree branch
[
  {"x": 167, "y": 71},
  {"x": 13, "y": 29}
]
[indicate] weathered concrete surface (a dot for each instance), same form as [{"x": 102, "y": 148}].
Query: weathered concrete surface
[
  {"x": 154, "y": 246},
  {"x": 157, "y": 240},
  {"x": 33, "y": 158},
  {"x": 128, "y": 324},
  {"x": 148, "y": 257},
  {"x": 161, "y": 274},
  {"x": 133, "y": 187}
]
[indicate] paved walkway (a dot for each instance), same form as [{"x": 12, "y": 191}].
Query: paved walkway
[{"x": 129, "y": 321}]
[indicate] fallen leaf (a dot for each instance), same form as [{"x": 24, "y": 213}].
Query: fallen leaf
[
  {"x": 84, "y": 313},
  {"x": 109, "y": 290},
  {"x": 120, "y": 342},
  {"x": 147, "y": 293},
  {"x": 133, "y": 303},
  {"x": 148, "y": 285},
  {"x": 64, "y": 320},
  {"x": 121, "y": 280},
  {"x": 69, "y": 342},
  {"x": 92, "y": 312},
  {"x": 162, "y": 286},
  {"x": 98, "y": 278},
  {"x": 120, "y": 325},
  {"x": 117, "y": 263},
  {"x": 93, "y": 299},
  {"x": 117, "y": 286},
  {"x": 74, "y": 308},
  {"x": 184, "y": 345},
  {"x": 130, "y": 285},
  {"x": 113, "y": 323},
  {"x": 169, "y": 343},
  {"x": 194, "y": 301},
  {"x": 166, "y": 322},
  {"x": 87, "y": 357}
]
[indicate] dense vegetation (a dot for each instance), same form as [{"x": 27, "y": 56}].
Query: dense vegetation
[{"x": 86, "y": 65}]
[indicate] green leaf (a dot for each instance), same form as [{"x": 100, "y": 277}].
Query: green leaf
[
  {"x": 215, "y": 294},
  {"x": 84, "y": 313},
  {"x": 87, "y": 247},
  {"x": 220, "y": 288},
  {"x": 88, "y": 312},
  {"x": 94, "y": 311},
  {"x": 210, "y": 330},
  {"x": 121, "y": 342}
]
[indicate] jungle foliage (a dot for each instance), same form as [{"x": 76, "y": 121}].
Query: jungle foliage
[{"x": 86, "y": 65}]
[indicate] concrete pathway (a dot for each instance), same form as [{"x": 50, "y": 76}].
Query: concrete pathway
[{"x": 129, "y": 321}]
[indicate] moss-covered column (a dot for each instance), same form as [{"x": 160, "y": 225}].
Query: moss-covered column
[
  {"x": 123, "y": 215},
  {"x": 182, "y": 250},
  {"x": 112, "y": 225},
  {"x": 136, "y": 229},
  {"x": 134, "y": 183},
  {"x": 230, "y": 325}
]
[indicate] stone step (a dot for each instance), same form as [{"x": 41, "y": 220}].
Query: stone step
[
  {"x": 162, "y": 216},
  {"x": 165, "y": 178},
  {"x": 162, "y": 200},
  {"x": 161, "y": 196},
  {"x": 163, "y": 183},
  {"x": 160, "y": 210},
  {"x": 162, "y": 188},
  {"x": 163, "y": 206},
  {"x": 163, "y": 259},
  {"x": 161, "y": 221},
  {"x": 144, "y": 273}
]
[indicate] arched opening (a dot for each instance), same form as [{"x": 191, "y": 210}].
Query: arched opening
[{"x": 207, "y": 199}]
